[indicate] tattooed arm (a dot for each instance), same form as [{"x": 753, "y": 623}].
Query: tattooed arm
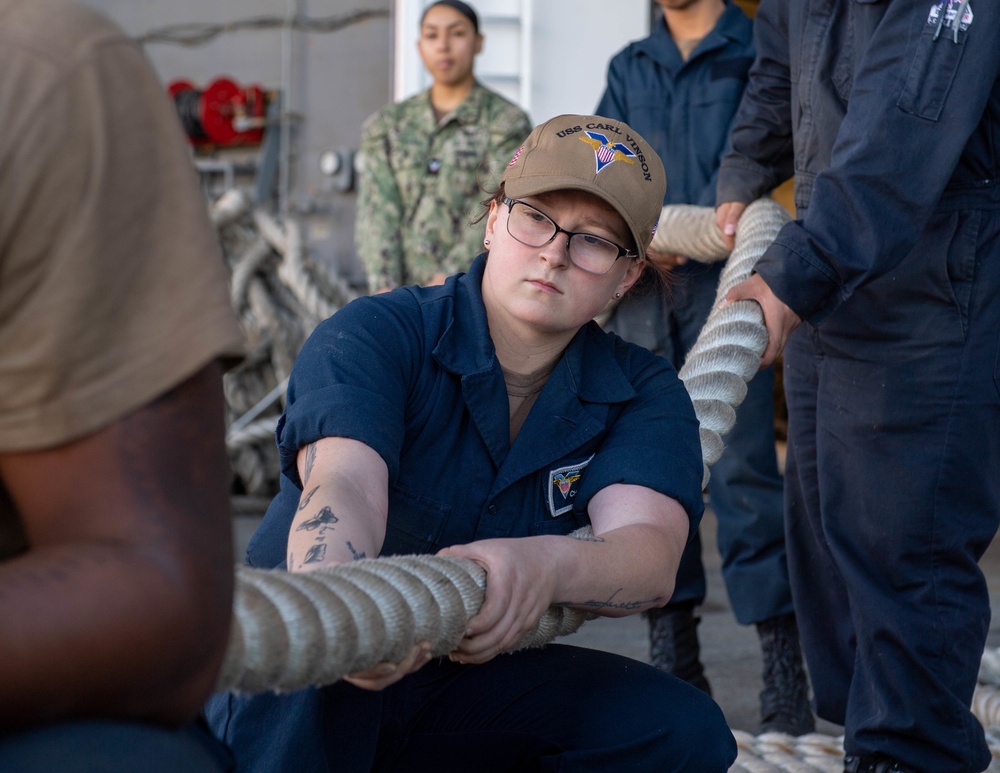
[
  {"x": 342, "y": 511},
  {"x": 629, "y": 566},
  {"x": 341, "y": 517},
  {"x": 121, "y": 605}
]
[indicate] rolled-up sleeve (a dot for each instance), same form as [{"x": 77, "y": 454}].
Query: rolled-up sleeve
[
  {"x": 652, "y": 442},
  {"x": 350, "y": 380}
]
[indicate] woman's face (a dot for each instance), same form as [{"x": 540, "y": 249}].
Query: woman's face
[
  {"x": 539, "y": 287},
  {"x": 448, "y": 44}
]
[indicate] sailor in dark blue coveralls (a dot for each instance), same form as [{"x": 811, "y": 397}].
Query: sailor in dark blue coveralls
[
  {"x": 680, "y": 88},
  {"x": 488, "y": 418},
  {"x": 889, "y": 114}
]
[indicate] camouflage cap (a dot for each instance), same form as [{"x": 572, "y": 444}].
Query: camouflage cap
[{"x": 598, "y": 155}]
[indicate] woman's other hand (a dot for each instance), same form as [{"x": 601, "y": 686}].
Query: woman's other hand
[{"x": 382, "y": 675}]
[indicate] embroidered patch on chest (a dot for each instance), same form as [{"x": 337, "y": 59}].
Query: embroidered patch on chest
[{"x": 564, "y": 483}]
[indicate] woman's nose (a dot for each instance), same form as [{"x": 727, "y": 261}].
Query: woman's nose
[{"x": 556, "y": 252}]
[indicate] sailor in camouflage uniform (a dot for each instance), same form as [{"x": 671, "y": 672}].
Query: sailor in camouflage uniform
[{"x": 426, "y": 161}]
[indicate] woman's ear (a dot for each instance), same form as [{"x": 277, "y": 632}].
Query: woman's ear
[
  {"x": 491, "y": 220},
  {"x": 632, "y": 275},
  {"x": 479, "y": 45}
]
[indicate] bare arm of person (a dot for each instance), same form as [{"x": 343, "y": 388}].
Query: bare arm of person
[
  {"x": 121, "y": 605},
  {"x": 631, "y": 564},
  {"x": 343, "y": 507},
  {"x": 341, "y": 517}
]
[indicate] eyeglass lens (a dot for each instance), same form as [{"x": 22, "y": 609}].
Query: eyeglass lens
[{"x": 534, "y": 228}]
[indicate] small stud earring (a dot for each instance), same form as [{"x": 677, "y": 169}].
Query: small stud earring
[
  {"x": 486, "y": 242},
  {"x": 618, "y": 295}
]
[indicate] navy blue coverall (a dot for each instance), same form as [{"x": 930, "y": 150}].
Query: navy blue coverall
[
  {"x": 685, "y": 110},
  {"x": 413, "y": 374},
  {"x": 890, "y": 121}
]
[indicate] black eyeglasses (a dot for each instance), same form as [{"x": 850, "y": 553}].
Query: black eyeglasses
[{"x": 534, "y": 228}]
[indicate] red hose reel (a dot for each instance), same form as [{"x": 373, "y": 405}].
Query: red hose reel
[{"x": 223, "y": 113}]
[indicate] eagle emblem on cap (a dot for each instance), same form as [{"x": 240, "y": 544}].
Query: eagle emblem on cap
[{"x": 606, "y": 151}]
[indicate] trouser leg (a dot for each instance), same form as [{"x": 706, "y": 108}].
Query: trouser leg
[
  {"x": 822, "y": 607},
  {"x": 906, "y": 429},
  {"x": 745, "y": 487},
  {"x": 556, "y": 708},
  {"x": 746, "y": 495}
]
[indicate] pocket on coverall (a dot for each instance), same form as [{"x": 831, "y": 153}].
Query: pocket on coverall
[{"x": 932, "y": 71}]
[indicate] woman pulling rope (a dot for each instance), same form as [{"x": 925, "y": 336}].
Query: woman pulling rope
[{"x": 485, "y": 420}]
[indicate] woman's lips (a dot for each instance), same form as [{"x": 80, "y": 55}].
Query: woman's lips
[{"x": 546, "y": 286}]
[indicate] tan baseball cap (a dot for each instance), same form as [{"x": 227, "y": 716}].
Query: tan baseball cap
[{"x": 598, "y": 155}]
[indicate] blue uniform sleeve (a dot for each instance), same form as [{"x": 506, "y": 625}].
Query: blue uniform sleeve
[
  {"x": 653, "y": 441},
  {"x": 761, "y": 153},
  {"x": 351, "y": 380},
  {"x": 917, "y": 99}
]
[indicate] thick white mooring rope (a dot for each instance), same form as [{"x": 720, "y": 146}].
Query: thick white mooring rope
[
  {"x": 727, "y": 352},
  {"x": 290, "y": 631}
]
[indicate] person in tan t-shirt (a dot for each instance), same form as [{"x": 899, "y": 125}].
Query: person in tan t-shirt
[{"x": 115, "y": 552}]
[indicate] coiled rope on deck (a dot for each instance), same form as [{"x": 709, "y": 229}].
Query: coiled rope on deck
[{"x": 279, "y": 295}]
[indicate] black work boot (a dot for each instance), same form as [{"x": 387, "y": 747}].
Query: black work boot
[
  {"x": 673, "y": 644},
  {"x": 876, "y": 764},
  {"x": 784, "y": 701}
]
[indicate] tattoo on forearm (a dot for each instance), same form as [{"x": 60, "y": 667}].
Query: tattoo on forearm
[
  {"x": 304, "y": 501},
  {"x": 612, "y": 603},
  {"x": 324, "y": 517},
  {"x": 315, "y": 554},
  {"x": 310, "y": 460},
  {"x": 354, "y": 553}
]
